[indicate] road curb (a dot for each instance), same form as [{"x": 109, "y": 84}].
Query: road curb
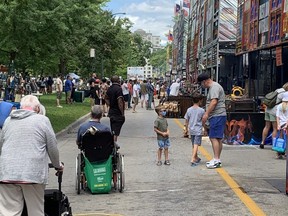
[{"x": 70, "y": 127}]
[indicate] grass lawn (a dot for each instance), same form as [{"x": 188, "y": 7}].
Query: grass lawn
[{"x": 62, "y": 117}]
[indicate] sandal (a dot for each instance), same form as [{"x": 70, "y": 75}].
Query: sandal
[
  {"x": 159, "y": 163},
  {"x": 193, "y": 164},
  {"x": 167, "y": 162}
]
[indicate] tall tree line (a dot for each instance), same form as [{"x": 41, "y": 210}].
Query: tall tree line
[{"x": 48, "y": 37}]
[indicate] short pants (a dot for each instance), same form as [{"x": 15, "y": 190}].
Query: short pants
[
  {"x": 217, "y": 126},
  {"x": 196, "y": 139},
  {"x": 116, "y": 123},
  {"x": 164, "y": 143},
  {"x": 270, "y": 117}
]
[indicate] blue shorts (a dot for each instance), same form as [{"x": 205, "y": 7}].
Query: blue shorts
[
  {"x": 217, "y": 127},
  {"x": 196, "y": 139},
  {"x": 165, "y": 143}
]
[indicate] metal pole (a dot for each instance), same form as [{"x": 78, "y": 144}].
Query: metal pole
[{"x": 102, "y": 68}]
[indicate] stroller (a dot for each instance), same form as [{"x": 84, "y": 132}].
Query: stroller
[{"x": 99, "y": 163}]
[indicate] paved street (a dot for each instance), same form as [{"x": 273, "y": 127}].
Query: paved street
[{"x": 251, "y": 181}]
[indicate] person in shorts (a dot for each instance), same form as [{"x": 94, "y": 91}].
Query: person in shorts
[
  {"x": 193, "y": 124},
  {"x": 162, "y": 131},
  {"x": 135, "y": 96},
  {"x": 216, "y": 115},
  {"x": 270, "y": 117},
  {"x": 114, "y": 99},
  {"x": 59, "y": 90}
]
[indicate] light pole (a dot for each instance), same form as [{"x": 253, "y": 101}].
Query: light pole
[
  {"x": 118, "y": 13},
  {"x": 92, "y": 56}
]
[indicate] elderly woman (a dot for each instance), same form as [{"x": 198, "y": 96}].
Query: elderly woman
[{"x": 27, "y": 142}]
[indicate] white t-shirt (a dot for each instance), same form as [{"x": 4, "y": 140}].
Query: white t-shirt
[
  {"x": 135, "y": 90},
  {"x": 282, "y": 115},
  {"x": 59, "y": 85},
  {"x": 125, "y": 89},
  {"x": 174, "y": 89}
]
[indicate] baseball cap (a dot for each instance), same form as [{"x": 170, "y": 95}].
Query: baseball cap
[
  {"x": 202, "y": 77},
  {"x": 285, "y": 97}
]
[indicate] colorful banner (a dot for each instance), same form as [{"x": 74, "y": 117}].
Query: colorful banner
[
  {"x": 228, "y": 20},
  {"x": 186, "y": 3}
]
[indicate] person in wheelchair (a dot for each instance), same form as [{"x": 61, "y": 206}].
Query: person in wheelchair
[
  {"x": 93, "y": 125},
  {"x": 97, "y": 148}
]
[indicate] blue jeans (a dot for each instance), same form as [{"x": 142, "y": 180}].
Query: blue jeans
[
  {"x": 129, "y": 100},
  {"x": 150, "y": 97}
]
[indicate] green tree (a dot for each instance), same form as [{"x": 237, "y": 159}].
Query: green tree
[
  {"x": 159, "y": 60},
  {"x": 44, "y": 37}
]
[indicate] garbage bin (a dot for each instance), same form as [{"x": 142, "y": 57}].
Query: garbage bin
[
  {"x": 78, "y": 96},
  {"x": 99, "y": 175}
]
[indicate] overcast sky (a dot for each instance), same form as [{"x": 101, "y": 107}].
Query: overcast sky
[{"x": 154, "y": 16}]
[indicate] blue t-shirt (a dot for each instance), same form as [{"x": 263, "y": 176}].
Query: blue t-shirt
[
  {"x": 194, "y": 116},
  {"x": 5, "y": 109},
  {"x": 84, "y": 127},
  {"x": 68, "y": 85}
]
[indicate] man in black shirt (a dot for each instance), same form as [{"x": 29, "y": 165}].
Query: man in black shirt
[
  {"x": 115, "y": 100},
  {"x": 91, "y": 82}
]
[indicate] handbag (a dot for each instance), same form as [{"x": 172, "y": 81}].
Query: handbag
[{"x": 279, "y": 144}]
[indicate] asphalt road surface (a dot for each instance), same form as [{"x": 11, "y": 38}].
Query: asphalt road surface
[{"x": 250, "y": 182}]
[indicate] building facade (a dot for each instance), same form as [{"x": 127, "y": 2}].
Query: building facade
[
  {"x": 211, "y": 40},
  {"x": 262, "y": 42},
  {"x": 239, "y": 42},
  {"x": 155, "y": 40}
]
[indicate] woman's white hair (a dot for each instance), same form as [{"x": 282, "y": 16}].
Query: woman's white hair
[
  {"x": 42, "y": 110},
  {"x": 30, "y": 101}
]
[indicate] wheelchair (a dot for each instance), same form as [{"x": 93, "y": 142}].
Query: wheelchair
[{"x": 99, "y": 165}]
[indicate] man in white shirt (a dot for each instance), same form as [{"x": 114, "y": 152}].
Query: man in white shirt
[
  {"x": 59, "y": 89},
  {"x": 174, "y": 88}
]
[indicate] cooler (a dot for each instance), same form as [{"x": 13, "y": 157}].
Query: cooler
[
  {"x": 99, "y": 175},
  {"x": 78, "y": 96}
]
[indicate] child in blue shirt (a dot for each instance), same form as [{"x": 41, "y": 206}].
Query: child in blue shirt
[{"x": 193, "y": 124}]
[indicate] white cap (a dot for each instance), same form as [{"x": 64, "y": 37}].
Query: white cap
[{"x": 285, "y": 97}]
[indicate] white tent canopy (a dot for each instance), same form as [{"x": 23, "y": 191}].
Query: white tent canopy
[{"x": 73, "y": 75}]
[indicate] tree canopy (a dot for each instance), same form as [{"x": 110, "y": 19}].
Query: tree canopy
[
  {"x": 160, "y": 59},
  {"x": 48, "y": 37}
]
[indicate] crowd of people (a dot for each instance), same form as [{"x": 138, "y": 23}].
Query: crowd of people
[{"x": 21, "y": 178}]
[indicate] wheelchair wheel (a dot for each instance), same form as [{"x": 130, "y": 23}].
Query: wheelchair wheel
[
  {"x": 120, "y": 173},
  {"x": 78, "y": 173}
]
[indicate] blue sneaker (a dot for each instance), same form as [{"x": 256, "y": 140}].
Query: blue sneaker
[{"x": 193, "y": 164}]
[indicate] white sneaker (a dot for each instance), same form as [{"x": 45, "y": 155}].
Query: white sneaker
[
  {"x": 59, "y": 106},
  {"x": 215, "y": 164},
  {"x": 210, "y": 162}
]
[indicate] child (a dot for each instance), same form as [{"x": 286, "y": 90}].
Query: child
[
  {"x": 282, "y": 117},
  {"x": 162, "y": 131},
  {"x": 193, "y": 123}
]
